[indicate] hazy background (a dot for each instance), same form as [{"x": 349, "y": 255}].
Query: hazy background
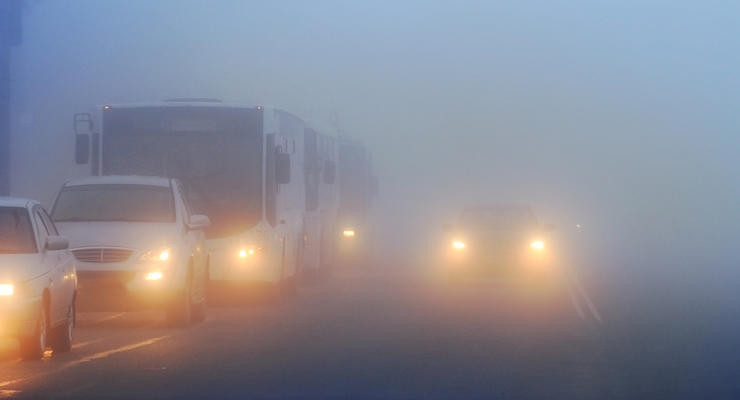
[{"x": 620, "y": 116}]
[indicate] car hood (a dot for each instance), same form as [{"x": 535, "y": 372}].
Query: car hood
[
  {"x": 132, "y": 235},
  {"x": 21, "y": 267}
]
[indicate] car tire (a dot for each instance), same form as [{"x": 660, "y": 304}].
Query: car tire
[
  {"x": 61, "y": 336},
  {"x": 180, "y": 312},
  {"x": 33, "y": 347}
]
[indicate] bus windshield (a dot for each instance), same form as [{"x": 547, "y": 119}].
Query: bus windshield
[{"x": 215, "y": 151}]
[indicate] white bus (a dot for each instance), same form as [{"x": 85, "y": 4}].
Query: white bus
[
  {"x": 322, "y": 201},
  {"x": 243, "y": 166}
]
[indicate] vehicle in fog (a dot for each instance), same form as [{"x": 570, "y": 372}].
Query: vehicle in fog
[
  {"x": 357, "y": 187},
  {"x": 321, "y": 201},
  {"x": 38, "y": 282},
  {"x": 240, "y": 165},
  {"x": 497, "y": 238},
  {"x": 137, "y": 243}
]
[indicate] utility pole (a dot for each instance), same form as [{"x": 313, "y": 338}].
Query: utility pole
[{"x": 10, "y": 35}]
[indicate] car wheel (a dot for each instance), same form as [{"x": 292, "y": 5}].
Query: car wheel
[
  {"x": 61, "y": 338},
  {"x": 33, "y": 347},
  {"x": 180, "y": 313}
]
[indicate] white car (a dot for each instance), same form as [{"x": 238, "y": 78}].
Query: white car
[
  {"x": 137, "y": 245},
  {"x": 38, "y": 281}
]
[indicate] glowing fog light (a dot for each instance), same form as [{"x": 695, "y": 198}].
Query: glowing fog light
[
  {"x": 6, "y": 289},
  {"x": 348, "y": 233},
  {"x": 154, "y": 276},
  {"x": 458, "y": 245},
  {"x": 244, "y": 253},
  {"x": 537, "y": 245}
]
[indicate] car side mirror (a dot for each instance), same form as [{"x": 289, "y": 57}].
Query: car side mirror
[
  {"x": 548, "y": 227},
  {"x": 282, "y": 168},
  {"x": 198, "y": 222},
  {"x": 56, "y": 243},
  {"x": 330, "y": 172}
]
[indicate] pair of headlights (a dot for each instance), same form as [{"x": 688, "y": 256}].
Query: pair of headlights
[
  {"x": 155, "y": 256},
  {"x": 537, "y": 245}
]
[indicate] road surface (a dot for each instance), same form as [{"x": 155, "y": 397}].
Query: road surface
[{"x": 383, "y": 332}]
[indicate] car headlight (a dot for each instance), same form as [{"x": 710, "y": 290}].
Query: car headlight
[
  {"x": 6, "y": 289},
  {"x": 154, "y": 276},
  {"x": 537, "y": 245},
  {"x": 155, "y": 255},
  {"x": 348, "y": 233},
  {"x": 458, "y": 245}
]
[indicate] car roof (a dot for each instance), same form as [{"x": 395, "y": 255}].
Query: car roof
[
  {"x": 120, "y": 180},
  {"x": 15, "y": 202}
]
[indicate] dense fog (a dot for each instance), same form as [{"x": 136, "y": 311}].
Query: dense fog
[{"x": 620, "y": 117}]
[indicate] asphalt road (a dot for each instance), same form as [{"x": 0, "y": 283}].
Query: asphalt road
[{"x": 366, "y": 333}]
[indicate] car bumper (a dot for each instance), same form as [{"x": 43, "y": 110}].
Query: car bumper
[
  {"x": 123, "y": 291},
  {"x": 18, "y": 318}
]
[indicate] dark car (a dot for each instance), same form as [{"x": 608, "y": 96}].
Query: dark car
[{"x": 498, "y": 238}]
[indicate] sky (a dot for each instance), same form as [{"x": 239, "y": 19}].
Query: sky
[{"x": 617, "y": 115}]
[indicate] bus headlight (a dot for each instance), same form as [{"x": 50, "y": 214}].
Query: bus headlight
[
  {"x": 458, "y": 245},
  {"x": 348, "y": 233},
  {"x": 246, "y": 252},
  {"x": 6, "y": 289}
]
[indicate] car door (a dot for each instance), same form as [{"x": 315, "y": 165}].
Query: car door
[
  {"x": 195, "y": 239},
  {"x": 66, "y": 263},
  {"x": 52, "y": 262}
]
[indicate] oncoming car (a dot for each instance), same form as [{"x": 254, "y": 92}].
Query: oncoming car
[
  {"x": 38, "y": 281},
  {"x": 501, "y": 238},
  {"x": 137, "y": 245}
]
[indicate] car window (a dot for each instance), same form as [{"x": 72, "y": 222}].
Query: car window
[
  {"x": 50, "y": 227},
  {"x": 42, "y": 229},
  {"x": 16, "y": 231}
]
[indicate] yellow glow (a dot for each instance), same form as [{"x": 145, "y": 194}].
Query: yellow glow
[
  {"x": 154, "y": 276},
  {"x": 244, "y": 253},
  {"x": 537, "y": 245},
  {"x": 164, "y": 255},
  {"x": 348, "y": 233},
  {"x": 6, "y": 289},
  {"x": 458, "y": 245}
]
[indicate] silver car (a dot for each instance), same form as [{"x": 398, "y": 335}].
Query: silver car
[{"x": 38, "y": 280}]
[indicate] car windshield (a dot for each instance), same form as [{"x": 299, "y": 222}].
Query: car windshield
[
  {"x": 16, "y": 232},
  {"x": 128, "y": 203}
]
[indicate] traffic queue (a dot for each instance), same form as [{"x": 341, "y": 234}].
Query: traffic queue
[{"x": 184, "y": 197}]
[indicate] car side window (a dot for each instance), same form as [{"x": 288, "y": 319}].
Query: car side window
[
  {"x": 41, "y": 226},
  {"x": 48, "y": 223}
]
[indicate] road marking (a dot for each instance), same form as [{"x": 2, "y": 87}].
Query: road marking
[
  {"x": 107, "y": 318},
  {"x": 93, "y": 357},
  {"x": 108, "y": 353},
  {"x": 586, "y": 298},
  {"x": 83, "y": 344},
  {"x": 574, "y": 300}
]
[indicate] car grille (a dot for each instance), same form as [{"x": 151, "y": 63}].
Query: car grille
[{"x": 102, "y": 255}]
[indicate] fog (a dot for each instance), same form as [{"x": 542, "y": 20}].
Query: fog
[{"x": 618, "y": 116}]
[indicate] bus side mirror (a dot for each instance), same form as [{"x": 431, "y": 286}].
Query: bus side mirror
[
  {"x": 330, "y": 172},
  {"x": 82, "y": 148},
  {"x": 282, "y": 168}
]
